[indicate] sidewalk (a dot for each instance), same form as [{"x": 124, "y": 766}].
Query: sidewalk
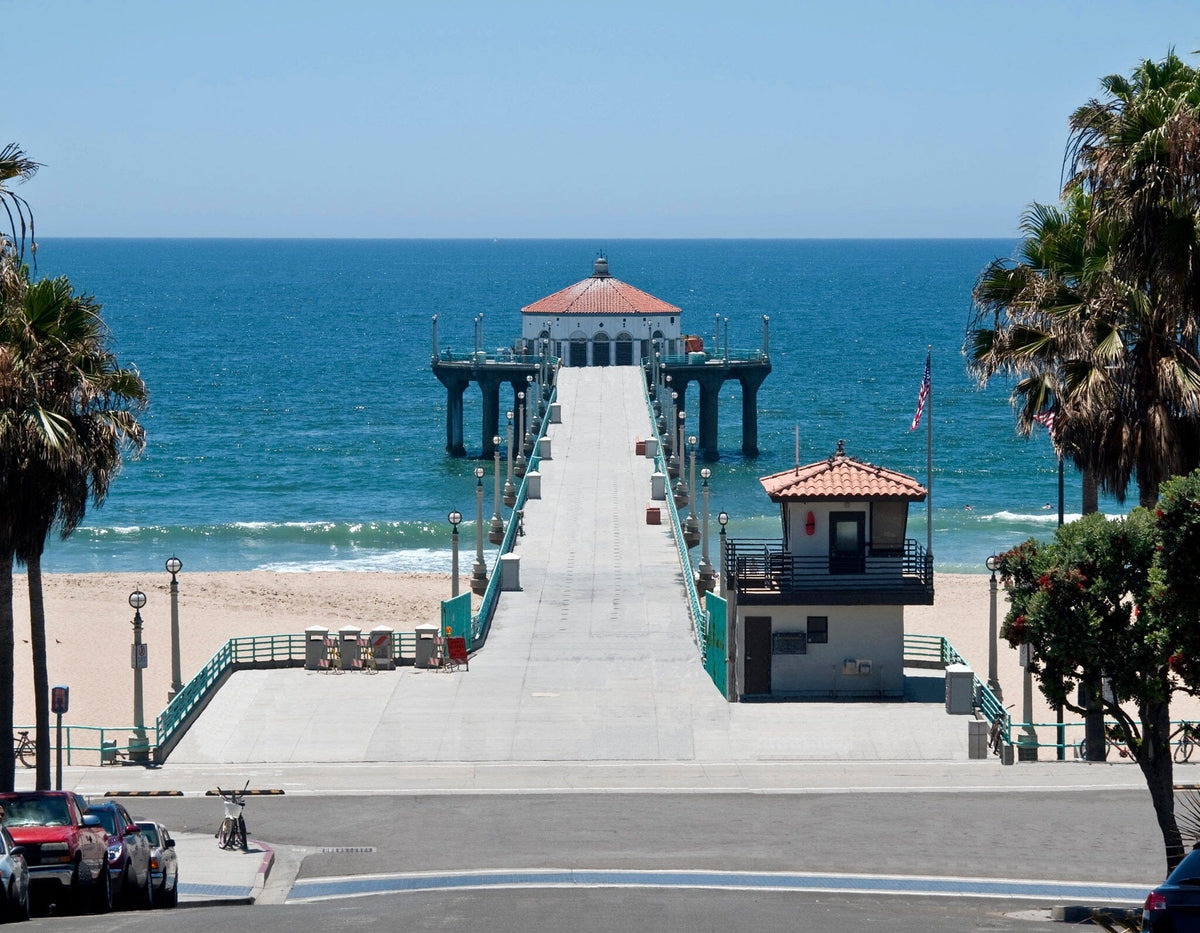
[{"x": 211, "y": 875}]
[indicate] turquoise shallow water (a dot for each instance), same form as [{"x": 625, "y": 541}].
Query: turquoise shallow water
[{"x": 294, "y": 422}]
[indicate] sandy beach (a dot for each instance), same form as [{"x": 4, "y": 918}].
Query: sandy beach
[{"x": 89, "y": 627}]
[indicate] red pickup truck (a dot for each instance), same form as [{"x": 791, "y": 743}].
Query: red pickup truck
[{"x": 66, "y": 848}]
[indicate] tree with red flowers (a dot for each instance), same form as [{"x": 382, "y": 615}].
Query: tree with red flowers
[{"x": 1094, "y": 607}]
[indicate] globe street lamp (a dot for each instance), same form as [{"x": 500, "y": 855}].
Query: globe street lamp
[
  {"x": 520, "y": 463},
  {"x": 479, "y": 578},
  {"x": 529, "y": 429},
  {"x": 681, "y": 488},
  {"x": 455, "y": 518},
  {"x": 496, "y": 531},
  {"x": 705, "y": 582},
  {"x": 139, "y": 745},
  {"x": 174, "y": 565},
  {"x": 510, "y": 491},
  {"x": 691, "y": 528},
  {"x": 993, "y": 564}
]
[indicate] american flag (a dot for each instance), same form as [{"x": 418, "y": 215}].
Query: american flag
[
  {"x": 922, "y": 397},
  {"x": 1046, "y": 418}
]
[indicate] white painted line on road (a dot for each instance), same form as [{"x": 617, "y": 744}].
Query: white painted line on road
[{"x": 331, "y": 888}]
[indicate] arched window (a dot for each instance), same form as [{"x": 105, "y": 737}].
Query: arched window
[
  {"x": 624, "y": 349},
  {"x": 579, "y": 348},
  {"x": 600, "y": 350}
]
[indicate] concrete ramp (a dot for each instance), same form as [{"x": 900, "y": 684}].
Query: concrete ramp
[{"x": 593, "y": 660}]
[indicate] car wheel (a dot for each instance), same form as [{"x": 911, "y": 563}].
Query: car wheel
[
  {"x": 170, "y": 896},
  {"x": 102, "y": 900}
]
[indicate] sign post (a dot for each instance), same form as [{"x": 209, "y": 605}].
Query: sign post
[{"x": 59, "y": 703}]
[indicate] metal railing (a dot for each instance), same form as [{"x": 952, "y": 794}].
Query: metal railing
[
  {"x": 758, "y": 565},
  {"x": 732, "y": 355},
  {"x": 935, "y": 650}
]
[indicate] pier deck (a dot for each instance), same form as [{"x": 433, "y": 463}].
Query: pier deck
[{"x": 593, "y": 660}]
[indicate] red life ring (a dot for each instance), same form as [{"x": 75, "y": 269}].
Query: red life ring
[{"x": 810, "y": 524}]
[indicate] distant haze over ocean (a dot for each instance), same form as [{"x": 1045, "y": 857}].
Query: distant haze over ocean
[{"x": 295, "y": 424}]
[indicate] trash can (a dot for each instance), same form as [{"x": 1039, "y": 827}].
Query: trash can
[
  {"x": 960, "y": 689},
  {"x": 348, "y": 636},
  {"x": 544, "y": 449},
  {"x": 651, "y": 448},
  {"x": 658, "y": 485},
  {"x": 427, "y": 634},
  {"x": 977, "y": 738},
  {"x": 382, "y": 642},
  {"x": 314, "y": 647},
  {"x": 555, "y": 413},
  {"x": 533, "y": 485}
]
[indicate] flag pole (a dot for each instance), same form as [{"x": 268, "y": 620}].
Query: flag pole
[{"x": 929, "y": 464}]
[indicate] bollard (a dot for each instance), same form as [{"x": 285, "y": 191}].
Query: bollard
[
  {"x": 533, "y": 485},
  {"x": 510, "y": 572}
]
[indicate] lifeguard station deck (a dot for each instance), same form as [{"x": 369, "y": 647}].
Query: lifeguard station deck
[{"x": 593, "y": 660}]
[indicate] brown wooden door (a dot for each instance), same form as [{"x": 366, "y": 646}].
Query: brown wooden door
[{"x": 757, "y": 666}]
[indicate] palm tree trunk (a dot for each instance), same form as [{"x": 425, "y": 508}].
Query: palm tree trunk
[
  {"x": 41, "y": 678},
  {"x": 8, "y": 761},
  {"x": 1091, "y": 492}
]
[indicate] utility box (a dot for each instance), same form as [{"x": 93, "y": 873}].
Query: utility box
[
  {"x": 533, "y": 485},
  {"x": 653, "y": 515},
  {"x": 658, "y": 485},
  {"x": 639, "y": 447},
  {"x": 314, "y": 647},
  {"x": 651, "y": 448},
  {"x": 348, "y": 636},
  {"x": 510, "y": 572},
  {"x": 555, "y": 413},
  {"x": 382, "y": 647},
  {"x": 544, "y": 448},
  {"x": 960, "y": 689},
  {"x": 427, "y": 654},
  {"x": 977, "y": 738}
]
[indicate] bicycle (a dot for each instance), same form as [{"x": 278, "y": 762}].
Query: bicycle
[
  {"x": 998, "y": 731},
  {"x": 24, "y": 749},
  {"x": 1188, "y": 734},
  {"x": 232, "y": 832},
  {"x": 1113, "y": 742}
]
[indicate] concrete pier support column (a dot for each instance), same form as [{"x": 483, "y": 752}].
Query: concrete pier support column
[
  {"x": 491, "y": 414},
  {"x": 454, "y": 419},
  {"x": 750, "y": 386},
  {"x": 710, "y": 390}
]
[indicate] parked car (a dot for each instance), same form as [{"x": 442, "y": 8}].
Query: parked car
[
  {"x": 164, "y": 864},
  {"x": 14, "y": 879},
  {"x": 66, "y": 848},
  {"x": 1174, "y": 905},
  {"x": 128, "y": 856}
]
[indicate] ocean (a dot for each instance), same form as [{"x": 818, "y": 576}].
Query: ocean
[{"x": 294, "y": 423}]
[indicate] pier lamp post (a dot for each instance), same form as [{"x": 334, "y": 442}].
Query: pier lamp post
[
  {"x": 496, "y": 532},
  {"x": 717, "y": 335},
  {"x": 455, "y": 519},
  {"x": 174, "y": 565},
  {"x": 681, "y": 487},
  {"x": 691, "y": 528},
  {"x": 510, "y": 491},
  {"x": 139, "y": 745},
  {"x": 731, "y": 690},
  {"x": 722, "y": 520},
  {"x": 527, "y": 446},
  {"x": 705, "y": 583},
  {"x": 726, "y": 347},
  {"x": 669, "y": 437},
  {"x": 993, "y": 564},
  {"x": 520, "y": 462},
  {"x": 479, "y": 578}
]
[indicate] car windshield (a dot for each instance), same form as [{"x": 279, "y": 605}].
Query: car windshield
[
  {"x": 108, "y": 819},
  {"x": 149, "y": 832},
  {"x": 36, "y": 811}
]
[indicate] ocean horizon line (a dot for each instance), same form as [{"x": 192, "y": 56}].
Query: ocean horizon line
[{"x": 601, "y": 240}]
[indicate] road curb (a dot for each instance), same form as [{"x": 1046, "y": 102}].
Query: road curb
[
  {"x": 264, "y": 792},
  {"x": 143, "y": 793}
]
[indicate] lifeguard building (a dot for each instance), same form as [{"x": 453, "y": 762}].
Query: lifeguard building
[
  {"x": 601, "y": 321},
  {"x": 819, "y": 613}
]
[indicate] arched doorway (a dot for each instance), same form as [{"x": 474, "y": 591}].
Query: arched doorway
[
  {"x": 624, "y": 349},
  {"x": 579, "y": 354},
  {"x": 600, "y": 350}
]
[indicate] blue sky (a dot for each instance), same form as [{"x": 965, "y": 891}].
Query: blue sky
[{"x": 598, "y": 120}]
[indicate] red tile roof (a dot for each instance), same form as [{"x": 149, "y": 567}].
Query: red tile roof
[
  {"x": 600, "y": 293},
  {"x": 841, "y": 477}
]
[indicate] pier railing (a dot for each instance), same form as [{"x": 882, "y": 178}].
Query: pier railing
[{"x": 703, "y": 358}]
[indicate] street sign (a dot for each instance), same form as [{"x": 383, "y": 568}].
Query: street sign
[{"x": 138, "y": 656}]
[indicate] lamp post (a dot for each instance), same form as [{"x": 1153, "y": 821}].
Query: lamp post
[
  {"x": 455, "y": 518},
  {"x": 496, "y": 532},
  {"x": 520, "y": 462},
  {"x": 691, "y": 528},
  {"x": 726, "y": 347},
  {"x": 529, "y": 429},
  {"x": 479, "y": 579},
  {"x": 706, "y": 571},
  {"x": 510, "y": 491},
  {"x": 993, "y": 564},
  {"x": 722, "y": 520},
  {"x": 731, "y": 691},
  {"x": 1027, "y": 749},
  {"x": 174, "y": 565},
  {"x": 139, "y": 745}
]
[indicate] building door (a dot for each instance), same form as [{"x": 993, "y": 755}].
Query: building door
[
  {"x": 624, "y": 350},
  {"x": 847, "y": 542},
  {"x": 757, "y": 664},
  {"x": 578, "y": 352},
  {"x": 600, "y": 344}
]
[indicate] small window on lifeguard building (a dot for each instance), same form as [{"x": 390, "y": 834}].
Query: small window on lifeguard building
[{"x": 818, "y": 630}]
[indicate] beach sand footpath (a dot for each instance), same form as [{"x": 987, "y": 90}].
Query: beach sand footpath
[{"x": 89, "y": 626}]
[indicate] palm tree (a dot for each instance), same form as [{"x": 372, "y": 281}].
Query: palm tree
[
  {"x": 1137, "y": 153},
  {"x": 1040, "y": 320},
  {"x": 74, "y": 411},
  {"x": 14, "y": 164}
]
